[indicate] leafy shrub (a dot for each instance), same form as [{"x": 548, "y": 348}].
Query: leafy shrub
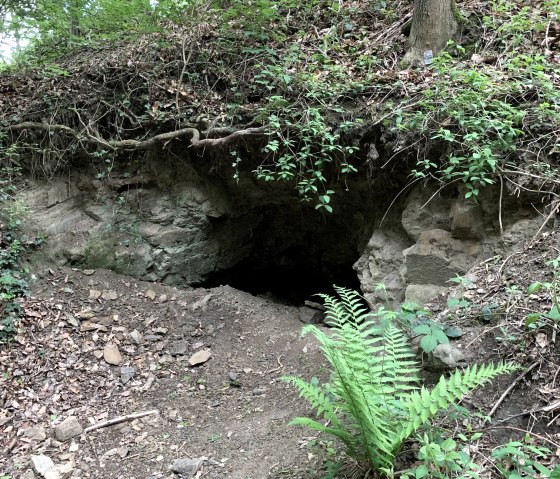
[
  {"x": 517, "y": 459},
  {"x": 304, "y": 142},
  {"x": 442, "y": 460},
  {"x": 13, "y": 282},
  {"x": 374, "y": 402},
  {"x": 488, "y": 115}
]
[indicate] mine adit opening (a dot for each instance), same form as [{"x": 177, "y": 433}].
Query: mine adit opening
[{"x": 295, "y": 255}]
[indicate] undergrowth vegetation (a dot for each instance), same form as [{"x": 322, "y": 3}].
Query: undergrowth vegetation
[
  {"x": 374, "y": 401},
  {"x": 13, "y": 278},
  {"x": 318, "y": 80},
  {"x": 491, "y": 118}
]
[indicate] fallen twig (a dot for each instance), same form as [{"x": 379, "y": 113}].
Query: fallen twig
[
  {"x": 278, "y": 368},
  {"x": 508, "y": 390},
  {"x": 119, "y": 419},
  {"x": 555, "y": 205},
  {"x": 542, "y": 438}
]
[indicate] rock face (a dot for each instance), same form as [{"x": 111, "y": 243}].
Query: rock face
[
  {"x": 182, "y": 222},
  {"x": 381, "y": 263},
  {"x": 438, "y": 238}
]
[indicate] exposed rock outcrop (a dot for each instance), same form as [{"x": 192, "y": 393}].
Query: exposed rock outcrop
[
  {"x": 444, "y": 236},
  {"x": 181, "y": 223}
]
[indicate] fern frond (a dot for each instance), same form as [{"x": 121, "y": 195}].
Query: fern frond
[
  {"x": 373, "y": 402},
  {"x": 317, "y": 398},
  {"x": 353, "y": 303},
  {"x": 347, "y": 439},
  {"x": 423, "y": 404},
  {"x": 348, "y": 310},
  {"x": 365, "y": 414}
]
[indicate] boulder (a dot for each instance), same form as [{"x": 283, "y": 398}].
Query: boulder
[
  {"x": 310, "y": 315},
  {"x": 444, "y": 358}
]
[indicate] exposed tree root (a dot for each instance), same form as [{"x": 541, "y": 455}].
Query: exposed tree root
[{"x": 215, "y": 137}]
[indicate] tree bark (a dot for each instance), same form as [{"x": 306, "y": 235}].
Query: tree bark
[{"x": 433, "y": 24}]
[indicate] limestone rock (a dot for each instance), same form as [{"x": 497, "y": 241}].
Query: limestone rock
[
  {"x": 36, "y": 434},
  {"x": 59, "y": 471},
  {"x": 380, "y": 263},
  {"x": 200, "y": 357},
  {"x": 437, "y": 257},
  {"x": 112, "y": 355},
  {"x": 109, "y": 295},
  {"x": 135, "y": 336},
  {"x": 444, "y": 357},
  {"x": 127, "y": 373},
  {"x": 310, "y": 315},
  {"x": 202, "y": 303},
  {"x": 41, "y": 464},
  {"x": 466, "y": 220},
  {"x": 187, "y": 467},
  {"x": 178, "y": 348},
  {"x": 68, "y": 429},
  {"x": 424, "y": 211},
  {"x": 422, "y": 293}
]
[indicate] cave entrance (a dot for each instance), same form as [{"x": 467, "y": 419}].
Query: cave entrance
[{"x": 295, "y": 254}]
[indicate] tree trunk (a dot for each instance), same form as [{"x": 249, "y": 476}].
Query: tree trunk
[
  {"x": 74, "y": 13},
  {"x": 433, "y": 24}
]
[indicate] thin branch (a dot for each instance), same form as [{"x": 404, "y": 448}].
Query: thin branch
[
  {"x": 119, "y": 419},
  {"x": 555, "y": 205},
  {"x": 508, "y": 390}
]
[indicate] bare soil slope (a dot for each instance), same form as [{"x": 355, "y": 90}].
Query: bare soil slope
[{"x": 231, "y": 409}]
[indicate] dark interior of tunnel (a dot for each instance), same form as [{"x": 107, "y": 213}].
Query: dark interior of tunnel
[
  {"x": 288, "y": 283},
  {"x": 295, "y": 255}
]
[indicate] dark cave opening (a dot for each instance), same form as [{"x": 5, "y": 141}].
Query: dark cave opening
[
  {"x": 294, "y": 255},
  {"x": 289, "y": 283}
]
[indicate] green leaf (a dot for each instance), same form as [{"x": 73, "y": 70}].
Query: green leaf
[
  {"x": 532, "y": 318},
  {"x": 534, "y": 287},
  {"x": 453, "y": 332},
  {"x": 448, "y": 445},
  {"x": 428, "y": 343},
  {"x": 421, "y": 471},
  {"x": 555, "y": 473},
  {"x": 440, "y": 336},
  {"x": 422, "y": 329},
  {"x": 453, "y": 302},
  {"x": 554, "y": 313}
]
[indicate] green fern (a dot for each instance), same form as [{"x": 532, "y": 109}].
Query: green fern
[{"x": 374, "y": 402}]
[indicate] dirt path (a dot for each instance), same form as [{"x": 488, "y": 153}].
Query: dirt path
[{"x": 231, "y": 409}]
